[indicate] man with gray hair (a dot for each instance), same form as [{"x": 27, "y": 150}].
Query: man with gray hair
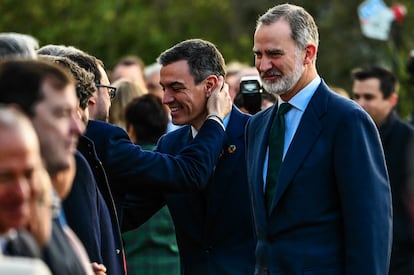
[
  {"x": 14, "y": 44},
  {"x": 315, "y": 164}
]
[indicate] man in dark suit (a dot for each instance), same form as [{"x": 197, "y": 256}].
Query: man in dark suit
[
  {"x": 376, "y": 89},
  {"x": 214, "y": 226},
  {"x": 98, "y": 227},
  {"x": 328, "y": 209}
]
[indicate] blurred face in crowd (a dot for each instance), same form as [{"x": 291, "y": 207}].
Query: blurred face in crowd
[
  {"x": 40, "y": 223},
  {"x": 234, "y": 85},
  {"x": 58, "y": 126},
  {"x": 19, "y": 158},
  {"x": 131, "y": 72},
  {"x": 153, "y": 85},
  {"x": 277, "y": 58},
  {"x": 102, "y": 100},
  {"x": 186, "y": 99},
  {"x": 367, "y": 93}
]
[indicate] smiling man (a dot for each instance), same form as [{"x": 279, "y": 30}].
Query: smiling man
[{"x": 205, "y": 221}]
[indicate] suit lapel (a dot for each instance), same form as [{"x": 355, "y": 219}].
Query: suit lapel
[
  {"x": 306, "y": 135},
  {"x": 227, "y": 166}
]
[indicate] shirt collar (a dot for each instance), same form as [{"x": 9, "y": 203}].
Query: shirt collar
[
  {"x": 226, "y": 120},
  {"x": 300, "y": 100}
]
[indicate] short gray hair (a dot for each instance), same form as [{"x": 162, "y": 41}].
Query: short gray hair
[
  {"x": 18, "y": 45},
  {"x": 302, "y": 24}
]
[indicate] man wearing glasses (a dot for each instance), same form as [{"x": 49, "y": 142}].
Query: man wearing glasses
[{"x": 100, "y": 102}]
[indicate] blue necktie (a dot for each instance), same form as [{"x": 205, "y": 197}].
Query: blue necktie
[{"x": 276, "y": 145}]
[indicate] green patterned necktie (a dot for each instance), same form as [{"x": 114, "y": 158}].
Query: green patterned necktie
[{"x": 276, "y": 145}]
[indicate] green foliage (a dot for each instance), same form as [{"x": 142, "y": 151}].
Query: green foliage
[{"x": 113, "y": 28}]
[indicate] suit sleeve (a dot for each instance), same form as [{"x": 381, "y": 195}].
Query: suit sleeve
[
  {"x": 134, "y": 169},
  {"x": 146, "y": 203},
  {"x": 365, "y": 195}
]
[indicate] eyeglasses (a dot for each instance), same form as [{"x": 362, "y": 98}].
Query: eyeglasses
[
  {"x": 367, "y": 97},
  {"x": 111, "y": 89}
]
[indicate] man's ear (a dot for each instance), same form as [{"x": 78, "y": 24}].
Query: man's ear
[
  {"x": 310, "y": 52},
  {"x": 393, "y": 99},
  {"x": 211, "y": 82},
  {"x": 92, "y": 101}
]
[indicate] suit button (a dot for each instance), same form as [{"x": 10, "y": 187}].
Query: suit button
[
  {"x": 208, "y": 249},
  {"x": 118, "y": 251}
]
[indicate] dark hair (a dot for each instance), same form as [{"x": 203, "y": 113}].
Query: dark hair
[
  {"x": 85, "y": 86},
  {"x": 149, "y": 118},
  {"x": 388, "y": 80},
  {"x": 203, "y": 58},
  {"x": 21, "y": 82}
]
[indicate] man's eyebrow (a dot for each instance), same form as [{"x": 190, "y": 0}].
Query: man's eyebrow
[{"x": 171, "y": 84}]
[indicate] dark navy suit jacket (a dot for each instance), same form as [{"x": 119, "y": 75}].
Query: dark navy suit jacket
[
  {"x": 331, "y": 212},
  {"x": 91, "y": 217},
  {"x": 214, "y": 227}
]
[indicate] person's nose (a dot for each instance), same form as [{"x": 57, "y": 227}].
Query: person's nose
[
  {"x": 361, "y": 102},
  {"x": 21, "y": 190},
  {"x": 263, "y": 64},
  {"x": 77, "y": 127},
  {"x": 167, "y": 97}
]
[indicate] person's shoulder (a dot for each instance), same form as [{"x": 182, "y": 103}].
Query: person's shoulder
[
  {"x": 177, "y": 133},
  {"x": 261, "y": 115},
  {"x": 404, "y": 127},
  {"x": 239, "y": 115},
  {"x": 340, "y": 104},
  {"x": 97, "y": 125},
  {"x": 97, "y": 130}
]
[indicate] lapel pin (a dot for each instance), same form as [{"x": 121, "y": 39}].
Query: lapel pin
[{"x": 231, "y": 149}]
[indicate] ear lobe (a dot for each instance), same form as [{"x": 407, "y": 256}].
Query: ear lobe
[{"x": 393, "y": 99}]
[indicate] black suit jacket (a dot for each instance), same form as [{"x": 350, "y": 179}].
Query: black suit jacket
[
  {"x": 398, "y": 141},
  {"x": 214, "y": 226},
  {"x": 93, "y": 219}
]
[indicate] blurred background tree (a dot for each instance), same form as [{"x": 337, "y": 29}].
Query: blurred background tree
[{"x": 114, "y": 28}]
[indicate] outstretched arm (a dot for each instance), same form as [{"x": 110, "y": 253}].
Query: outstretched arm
[{"x": 130, "y": 169}]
